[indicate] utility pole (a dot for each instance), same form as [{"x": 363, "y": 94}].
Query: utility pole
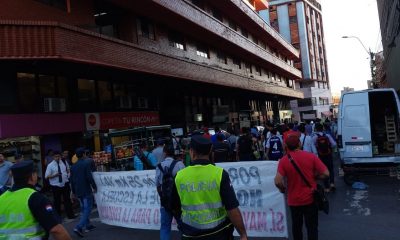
[{"x": 371, "y": 61}]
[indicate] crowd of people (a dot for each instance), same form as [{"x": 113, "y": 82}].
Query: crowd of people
[
  {"x": 70, "y": 179},
  {"x": 190, "y": 193}
]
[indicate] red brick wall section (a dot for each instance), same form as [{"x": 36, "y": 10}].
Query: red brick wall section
[
  {"x": 81, "y": 14},
  {"x": 27, "y": 41}
]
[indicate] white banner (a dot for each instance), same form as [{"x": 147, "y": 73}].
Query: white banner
[{"x": 130, "y": 199}]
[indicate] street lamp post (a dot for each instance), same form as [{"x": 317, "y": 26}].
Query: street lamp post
[{"x": 371, "y": 59}]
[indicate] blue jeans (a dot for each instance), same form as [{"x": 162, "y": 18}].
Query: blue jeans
[
  {"x": 86, "y": 208},
  {"x": 166, "y": 221}
]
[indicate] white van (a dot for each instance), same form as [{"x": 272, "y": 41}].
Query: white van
[{"x": 368, "y": 127}]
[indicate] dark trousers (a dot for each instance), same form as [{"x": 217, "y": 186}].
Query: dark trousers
[
  {"x": 328, "y": 161},
  {"x": 64, "y": 193},
  {"x": 225, "y": 234},
  {"x": 308, "y": 213}
]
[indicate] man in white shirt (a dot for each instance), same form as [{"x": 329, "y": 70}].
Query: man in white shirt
[
  {"x": 57, "y": 173},
  {"x": 306, "y": 141}
]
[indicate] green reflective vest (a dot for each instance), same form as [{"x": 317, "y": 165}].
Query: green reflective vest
[
  {"x": 199, "y": 191},
  {"x": 16, "y": 219}
]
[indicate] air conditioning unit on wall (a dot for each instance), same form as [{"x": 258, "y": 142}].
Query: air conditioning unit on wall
[
  {"x": 54, "y": 105},
  {"x": 124, "y": 102}
]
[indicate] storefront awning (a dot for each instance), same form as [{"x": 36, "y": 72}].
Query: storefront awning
[{"x": 327, "y": 113}]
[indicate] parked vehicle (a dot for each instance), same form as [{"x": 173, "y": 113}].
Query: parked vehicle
[{"x": 368, "y": 130}]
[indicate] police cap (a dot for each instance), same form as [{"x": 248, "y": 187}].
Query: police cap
[
  {"x": 200, "y": 144},
  {"x": 22, "y": 169}
]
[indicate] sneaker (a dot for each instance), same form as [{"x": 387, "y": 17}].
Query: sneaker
[
  {"x": 90, "y": 228},
  {"x": 78, "y": 232}
]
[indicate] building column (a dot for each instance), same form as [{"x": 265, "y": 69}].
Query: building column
[{"x": 275, "y": 109}]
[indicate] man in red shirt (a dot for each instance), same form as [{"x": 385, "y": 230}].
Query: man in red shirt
[
  {"x": 300, "y": 196},
  {"x": 290, "y": 132}
]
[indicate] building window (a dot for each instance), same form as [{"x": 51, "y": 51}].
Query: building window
[
  {"x": 27, "y": 92},
  {"x": 221, "y": 57},
  {"x": 236, "y": 62},
  {"x": 176, "y": 40},
  {"x": 273, "y": 76},
  {"x": 47, "y": 86},
  {"x": 104, "y": 91},
  {"x": 293, "y": 19},
  {"x": 248, "y": 68},
  {"x": 217, "y": 14},
  {"x": 232, "y": 25},
  {"x": 323, "y": 101},
  {"x": 307, "y": 102},
  {"x": 244, "y": 32},
  {"x": 60, "y": 4},
  {"x": 86, "y": 93},
  {"x": 202, "y": 51},
  {"x": 258, "y": 71},
  {"x": 147, "y": 29},
  {"x": 199, "y": 3}
]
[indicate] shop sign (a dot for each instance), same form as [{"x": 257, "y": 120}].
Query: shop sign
[{"x": 120, "y": 120}]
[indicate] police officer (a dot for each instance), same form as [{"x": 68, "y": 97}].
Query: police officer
[
  {"x": 205, "y": 199},
  {"x": 25, "y": 213}
]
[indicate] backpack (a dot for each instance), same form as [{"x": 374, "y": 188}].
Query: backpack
[
  {"x": 275, "y": 148},
  {"x": 323, "y": 145},
  {"x": 145, "y": 161},
  {"x": 167, "y": 185}
]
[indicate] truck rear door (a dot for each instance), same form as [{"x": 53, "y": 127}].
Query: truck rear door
[{"x": 356, "y": 126}]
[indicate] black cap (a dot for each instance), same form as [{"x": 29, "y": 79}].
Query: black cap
[
  {"x": 22, "y": 169},
  {"x": 80, "y": 151},
  {"x": 200, "y": 144}
]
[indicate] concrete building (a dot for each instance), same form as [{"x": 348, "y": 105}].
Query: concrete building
[
  {"x": 389, "y": 16},
  {"x": 346, "y": 90},
  {"x": 300, "y": 23},
  {"x": 116, "y": 64}
]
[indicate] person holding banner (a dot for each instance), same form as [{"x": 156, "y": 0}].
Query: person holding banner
[
  {"x": 205, "y": 199},
  {"x": 300, "y": 196}
]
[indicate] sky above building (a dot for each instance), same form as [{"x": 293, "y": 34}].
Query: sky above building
[{"x": 348, "y": 61}]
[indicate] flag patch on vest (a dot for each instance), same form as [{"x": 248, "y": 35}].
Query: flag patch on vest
[{"x": 49, "y": 208}]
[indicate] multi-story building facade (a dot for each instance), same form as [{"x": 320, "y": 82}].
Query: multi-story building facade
[
  {"x": 179, "y": 62},
  {"x": 300, "y": 23},
  {"x": 389, "y": 16}
]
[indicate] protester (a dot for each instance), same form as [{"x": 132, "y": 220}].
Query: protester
[
  {"x": 23, "y": 202},
  {"x": 57, "y": 173},
  {"x": 232, "y": 140},
  {"x": 158, "y": 152},
  {"x": 49, "y": 156},
  {"x": 244, "y": 146},
  {"x": 83, "y": 186},
  {"x": 308, "y": 128},
  {"x": 5, "y": 174},
  {"x": 218, "y": 132},
  {"x": 324, "y": 144},
  {"x": 165, "y": 174},
  {"x": 306, "y": 142},
  {"x": 65, "y": 157},
  {"x": 290, "y": 131},
  {"x": 274, "y": 146},
  {"x": 219, "y": 205},
  {"x": 18, "y": 157},
  {"x": 220, "y": 150},
  {"x": 299, "y": 195},
  {"x": 144, "y": 158}
]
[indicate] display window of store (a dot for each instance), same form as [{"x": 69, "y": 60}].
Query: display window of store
[{"x": 28, "y": 147}]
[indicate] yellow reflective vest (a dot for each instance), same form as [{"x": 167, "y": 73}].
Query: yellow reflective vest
[
  {"x": 16, "y": 219},
  {"x": 199, "y": 191}
]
